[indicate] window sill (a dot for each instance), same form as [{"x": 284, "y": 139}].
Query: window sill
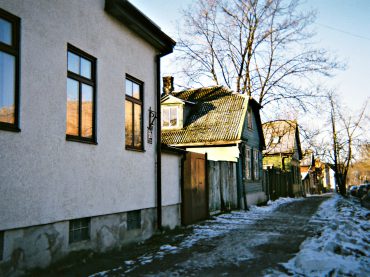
[
  {"x": 81, "y": 140},
  {"x": 9, "y": 127},
  {"x": 134, "y": 149}
]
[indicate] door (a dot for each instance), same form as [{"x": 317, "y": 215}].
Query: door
[{"x": 195, "y": 191}]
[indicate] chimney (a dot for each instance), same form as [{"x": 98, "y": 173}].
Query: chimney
[{"x": 167, "y": 85}]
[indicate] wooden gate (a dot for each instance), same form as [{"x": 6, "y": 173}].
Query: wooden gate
[{"x": 195, "y": 191}]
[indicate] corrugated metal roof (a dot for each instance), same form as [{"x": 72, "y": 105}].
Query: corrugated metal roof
[
  {"x": 280, "y": 136},
  {"x": 215, "y": 117}
]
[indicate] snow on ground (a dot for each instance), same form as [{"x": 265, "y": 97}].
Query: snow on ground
[
  {"x": 225, "y": 223},
  {"x": 341, "y": 246},
  {"x": 216, "y": 227}
]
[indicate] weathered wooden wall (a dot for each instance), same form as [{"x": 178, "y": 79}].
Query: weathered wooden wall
[{"x": 222, "y": 181}]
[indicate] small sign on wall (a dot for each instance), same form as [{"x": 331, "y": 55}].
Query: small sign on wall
[{"x": 150, "y": 136}]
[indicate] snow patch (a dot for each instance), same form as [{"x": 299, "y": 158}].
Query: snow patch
[{"x": 341, "y": 246}]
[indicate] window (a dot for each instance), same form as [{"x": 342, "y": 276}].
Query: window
[
  {"x": 9, "y": 71},
  {"x": 170, "y": 117},
  {"x": 133, "y": 114},
  {"x": 248, "y": 164},
  {"x": 1, "y": 245},
  {"x": 250, "y": 119},
  {"x": 79, "y": 230},
  {"x": 256, "y": 165},
  {"x": 81, "y": 96},
  {"x": 134, "y": 220},
  {"x": 275, "y": 139}
]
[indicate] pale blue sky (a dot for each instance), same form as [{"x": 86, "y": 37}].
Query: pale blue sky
[{"x": 342, "y": 26}]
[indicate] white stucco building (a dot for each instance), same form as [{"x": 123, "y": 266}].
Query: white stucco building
[{"x": 77, "y": 169}]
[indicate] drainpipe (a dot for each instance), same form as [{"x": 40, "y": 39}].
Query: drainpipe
[{"x": 159, "y": 139}]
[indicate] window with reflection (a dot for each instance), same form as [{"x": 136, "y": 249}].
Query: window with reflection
[
  {"x": 169, "y": 117},
  {"x": 80, "y": 123},
  {"x": 9, "y": 71},
  {"x": 133, "y": 114}
]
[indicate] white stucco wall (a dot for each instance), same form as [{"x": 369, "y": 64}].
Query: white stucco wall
[
  {"x": 171, "y": 179},
  {"x": 43, "y": 177},
  {"x": 227, "y": 153}
]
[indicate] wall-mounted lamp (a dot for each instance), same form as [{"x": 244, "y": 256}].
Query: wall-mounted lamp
[{"x": 152, "y": 118}]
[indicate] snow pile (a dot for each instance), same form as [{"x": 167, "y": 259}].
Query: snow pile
[{"x": 341, "y": 246}]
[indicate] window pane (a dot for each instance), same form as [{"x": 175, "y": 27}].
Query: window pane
[
  {"x": 165, "y": 117},
  {"x": 73, "y": 63},
  {"x": 128, "y": 123},
  {"x": 72, "y": 107},
  {"x": 173, "y": 118},
  {"x": 137, "y": 125},
  {"x": 128, "y": 88},
  {"x": 87, "y": 111},
  {"x": 5, "y": 32},
  {"x": 85, "y": 68},
  {"x": 7, "y": 87},
  {"x": 136, "y": 90}
]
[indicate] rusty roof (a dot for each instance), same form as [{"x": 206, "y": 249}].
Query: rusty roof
[
  {"x": 281, "y": 136},
  {"x": 216, "y": 117}
]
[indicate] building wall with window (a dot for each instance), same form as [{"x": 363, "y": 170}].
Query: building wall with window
[
  {"x": 48, "y": 178},
  {"x": 252, "y": 164}
]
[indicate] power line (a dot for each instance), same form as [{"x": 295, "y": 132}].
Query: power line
[{"x": 342, "y": 31}]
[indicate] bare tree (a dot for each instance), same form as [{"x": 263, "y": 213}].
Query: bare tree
[
  {"x": 346, "y": 133},
  {"x": 259, "y": 47}
]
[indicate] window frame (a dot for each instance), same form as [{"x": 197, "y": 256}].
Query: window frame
[
  {"x": 169, "y": 111},
  {"x": 256, "y": 155},
  {"x": 250, "y": 119},
  {"x": 14, "y": 50},
  {"x": 90, "y": 82},
  {"x": 248, "y": 164},
  {"x": 140, "y": 102},
  {"x": 81, "y": 228}
]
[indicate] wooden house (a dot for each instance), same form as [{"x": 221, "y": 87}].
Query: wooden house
[
  {"x": 283, "y": 151},
  {"x": 225, "y": 126}
]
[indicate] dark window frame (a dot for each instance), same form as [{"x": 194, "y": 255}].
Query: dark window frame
[
  {"x": 141, "y": 103},
  {"x": 83, "y": 80},
  {"x": 13, "y": 50},
  {"x": 85, "y": 223}
]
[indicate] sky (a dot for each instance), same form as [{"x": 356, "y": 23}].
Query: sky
[{"x": 342, "y": 26}]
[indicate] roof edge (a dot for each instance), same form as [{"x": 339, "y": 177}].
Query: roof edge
[
  {"x": 139, "y": 23},
  {"x": 205, "y": 144}
]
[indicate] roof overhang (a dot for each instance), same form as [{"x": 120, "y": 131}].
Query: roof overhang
[
  {"x": 171, "y": 149},
  {"x": 139, "y": 23},
  {"x": 208, "y": 144}
]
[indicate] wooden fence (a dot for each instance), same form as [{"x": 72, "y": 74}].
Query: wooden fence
[
  {"x": 278, "y": 183},
  {"x": 222, "y": 182}
]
